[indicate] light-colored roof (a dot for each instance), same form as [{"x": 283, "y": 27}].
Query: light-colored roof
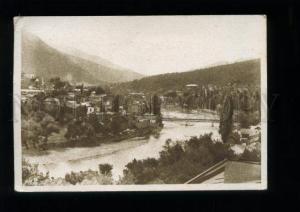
[
  {"x": 191, "y": 85},
  {"x": 31, "y": 90},
  {"x": 135, "y": 93}
]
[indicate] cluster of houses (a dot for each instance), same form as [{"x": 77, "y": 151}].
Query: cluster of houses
[{"x": 133, "y": 106}]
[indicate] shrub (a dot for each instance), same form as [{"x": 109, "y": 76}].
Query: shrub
[
  {"x": 74, "y": 178},
  {"x": 105, "y": 169},
  {"x": 252, "y": 153},
  {"x": 37, "y": 128},
  {"x": 88, "y": 177},
  {"x": 246, "y": 119},
  {"x": 31, "y": 175}
]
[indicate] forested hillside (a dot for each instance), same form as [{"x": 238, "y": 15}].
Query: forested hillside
[{"x": 245, "y": 72}]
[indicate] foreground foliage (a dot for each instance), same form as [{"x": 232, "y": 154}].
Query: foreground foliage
[
  {"x": 32, "y": 176},
  {"x": 178, "y": 162},
  {"x": 36, "y": 128}
]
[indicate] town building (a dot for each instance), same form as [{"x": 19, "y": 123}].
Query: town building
[{"x": 146, "y": 120}]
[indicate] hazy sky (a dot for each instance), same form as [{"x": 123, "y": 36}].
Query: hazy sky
[{"x": 156, "y": 44}]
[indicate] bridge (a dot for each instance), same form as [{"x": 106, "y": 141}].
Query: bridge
[{"x": 191, "y": 119}]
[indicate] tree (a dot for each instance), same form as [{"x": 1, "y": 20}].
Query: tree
[
  {"x": 177, "y": 162},
  {"x": 244, "y": 115},
  {"x": 57, "y": 83},
  {"x": 49, "y": 125},
  {"x": 226, "y": 121},
  {"x": 36, "y": 82},
  {"x": 190, "y": 102},
  {"x": 73, "y": 130},
  {"x": 171, "y": 153},
  {"x": 80, "y": 132},
  {"x": 60, "y": 87},
  {"x": 31, "y": 174},
  {"x": 37, "y": 129},
  {"x": 93, "y": 120},
  {"x": 81, "y": 111},
  {"x": 118, "y": 123},
  {"x": 99, "y": 90},
  {"x": 141, "y": 171},
  {"x": 156, "y": 105},
  {"x": 30, "y": 132},
  {"x": 172, "y": 94},
  {"x": 116, "y": 103},
  {"x": 105, "y": 169}
]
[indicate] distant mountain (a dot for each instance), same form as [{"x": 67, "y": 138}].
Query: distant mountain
[
  {"x": 245, "y": 72},
  {"x": 43, "y": 60}
]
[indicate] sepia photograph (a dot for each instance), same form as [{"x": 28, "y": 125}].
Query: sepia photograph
[{"x": 140, "y": 103}]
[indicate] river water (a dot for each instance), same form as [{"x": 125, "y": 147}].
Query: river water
[{"x": 59, "y": 162}]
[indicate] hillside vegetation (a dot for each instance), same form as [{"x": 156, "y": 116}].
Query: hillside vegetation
[{"x": 242, "y": 73}]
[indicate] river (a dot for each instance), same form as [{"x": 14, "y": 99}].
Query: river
[{"x": 59, "y": 162}]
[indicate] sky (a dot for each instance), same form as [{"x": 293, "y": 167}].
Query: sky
[{"x": 156, "y": 44}]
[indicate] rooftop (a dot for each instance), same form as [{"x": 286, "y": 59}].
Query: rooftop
[
  {"x": 191, "y": 85},
  {"x": 229, "y": 172}
]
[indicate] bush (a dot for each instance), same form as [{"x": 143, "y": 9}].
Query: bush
[
  {"x": 246, "y": 119},
  {"x": 37, "y": 128},
  {"x": 141, "y": 171},
  {"x": 243, "y": 119},
  {"x": 252, "y": 153},
  {"x": 74, "y": 178},
  {"x": 105, "y": 169},
  {"x": 81, "y": 132},
  {"x": 88, "y": 177},
  {"x": 31, "y": 175}
]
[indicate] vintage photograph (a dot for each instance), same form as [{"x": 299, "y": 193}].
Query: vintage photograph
[{"x": 140, "y": 103}]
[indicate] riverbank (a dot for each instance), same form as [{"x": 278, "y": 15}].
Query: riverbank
[
  {"x": 104, "y": 139},
  {"x": 62, "y": 160},
  {"x": 109, "y": 138}
]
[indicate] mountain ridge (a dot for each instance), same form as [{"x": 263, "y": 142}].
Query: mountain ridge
[{"x": 44, "y": 60}]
